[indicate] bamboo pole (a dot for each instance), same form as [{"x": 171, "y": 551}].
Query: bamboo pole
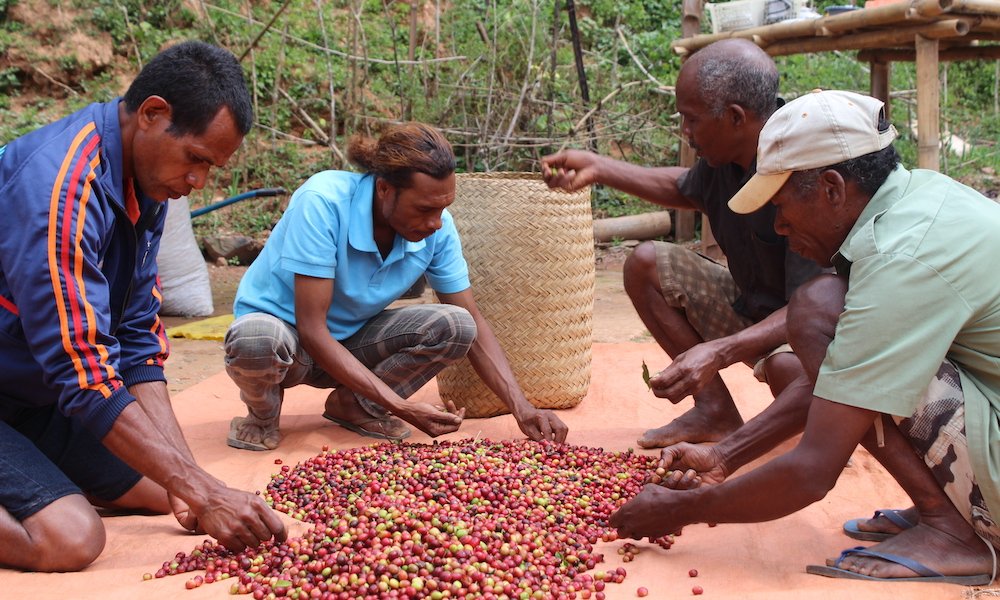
[
  {"x": 870, "y": 17},
  {"x": 944, "y": 55},
  {"x": 928, "y": 97},
  {"x": 890, "y": 14},
  {"x": 645, "y": 226},
  {"x": 880, "y": 71},
  {"x": 987, "y": 23},
  {"x": 872, "y": 39},
  {"x": 902, "y": 14},
  {"x": 929, "y": 8},
  {"x": 782, "y": 30},
  {"x": 934, "y": 8},
  {"x": 684, "y": 226},
  {"x": 977, "y": 7}
]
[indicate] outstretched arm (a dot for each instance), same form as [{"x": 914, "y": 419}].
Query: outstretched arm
[
  {"x": 491, "y": 364},
  {"x": 778, "y": 488},
  {"x": 696, "y": 464},
  {"x": 572, "y": 170}
]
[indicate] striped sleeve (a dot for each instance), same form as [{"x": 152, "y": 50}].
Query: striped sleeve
[
  {"x": 67, "y": 217},
  {"x": 64, "y": 305}
]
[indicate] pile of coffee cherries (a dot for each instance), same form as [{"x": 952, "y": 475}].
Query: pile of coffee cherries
[{"x": 467, "y": 519}]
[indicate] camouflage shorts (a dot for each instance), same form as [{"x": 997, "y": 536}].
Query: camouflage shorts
[{"x": 937, "y": 432}]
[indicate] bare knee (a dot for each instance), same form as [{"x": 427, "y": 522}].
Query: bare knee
[
  {"x": 67, "y": 535},
  {"x": 781, "y": 370},
  {"x": 815, "y": 307},
  {"x": 639, "y": 270},
  {"x": 455, "y": 331}
]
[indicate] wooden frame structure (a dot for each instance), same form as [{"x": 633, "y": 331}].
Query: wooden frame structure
[{"x": 924, "y": 31}]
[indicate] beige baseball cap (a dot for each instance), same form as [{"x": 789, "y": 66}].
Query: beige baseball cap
[{"x": 818, "y": 129}]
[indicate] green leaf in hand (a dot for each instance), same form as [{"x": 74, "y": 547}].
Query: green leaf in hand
[{"x": 645, "y": 375}]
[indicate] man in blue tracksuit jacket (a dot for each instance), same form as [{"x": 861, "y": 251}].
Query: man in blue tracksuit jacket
[{"x": 85, "y": 417}]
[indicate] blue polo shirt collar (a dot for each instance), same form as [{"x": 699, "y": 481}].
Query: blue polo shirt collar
[{"x": 361, "y": 230}]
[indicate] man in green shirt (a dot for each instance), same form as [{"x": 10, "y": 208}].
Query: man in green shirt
[{"x": 901, "y": 346}]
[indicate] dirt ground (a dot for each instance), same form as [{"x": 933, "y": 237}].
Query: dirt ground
[{"x": 192, "y": 361}]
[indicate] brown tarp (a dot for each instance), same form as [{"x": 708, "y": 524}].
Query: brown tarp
[{"x": 758, "y": 561}]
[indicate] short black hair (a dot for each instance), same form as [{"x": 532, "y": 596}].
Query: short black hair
[{"x": 197, "y": 80}]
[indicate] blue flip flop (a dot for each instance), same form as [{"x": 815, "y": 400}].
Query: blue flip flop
[
  {"x": 925, "y": 573},
  {"x": 895, "y": 516}
]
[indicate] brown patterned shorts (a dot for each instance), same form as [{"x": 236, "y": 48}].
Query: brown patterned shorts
[
  {"x": 937, "y": 432},
  {"x": 705, "y": 291}
]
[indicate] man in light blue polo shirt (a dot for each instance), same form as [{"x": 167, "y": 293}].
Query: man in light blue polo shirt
[
  {"x": 901, "y": 348},
  {"x": 312, "y": 308}
]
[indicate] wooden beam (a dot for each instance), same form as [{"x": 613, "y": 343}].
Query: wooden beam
[
  {"x": 684, "y": 219},
  {"x": 934, "y": 8},
  {"x": 879, "y": 81},
  {"x": 929, "y": 8},
  {"x": 944, "y": 55},
  {"x": 928, "y": 109},
  {"x": 978, "y": 7},
  {"x": 903, "y": 14},
  {"x": 691, "y": 12},
  {"x": 987, "y": 23},
  {"x": 759, "y": 35},
  {"x": 902, "y": 36},
  {"x": 888, "y": 14},
  {"x": 709, "y": 247}
]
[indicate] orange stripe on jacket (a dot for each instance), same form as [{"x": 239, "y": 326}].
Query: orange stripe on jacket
[
  {"x": 102, "y": 350},
  {"x": 67, "y": 306}
]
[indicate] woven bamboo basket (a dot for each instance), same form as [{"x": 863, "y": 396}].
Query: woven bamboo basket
[{"x": 531, "y": 261}]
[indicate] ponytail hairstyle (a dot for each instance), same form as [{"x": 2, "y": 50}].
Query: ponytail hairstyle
[{"x": 402, "y": 150}]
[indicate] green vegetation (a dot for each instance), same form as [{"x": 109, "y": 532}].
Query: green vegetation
[{"x": 492, "y": 74}]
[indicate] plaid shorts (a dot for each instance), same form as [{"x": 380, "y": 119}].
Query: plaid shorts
[
  {"x": 404, "y": 347},
  {"x": 937, "y": 432},
  {"x": 705, "y": 291}
]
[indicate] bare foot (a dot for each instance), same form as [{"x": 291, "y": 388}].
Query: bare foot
[
  {"x": 695, "y": 426},
  {"x": 931, "y": 547},
  {"x": 251, "y": 433},
  {"x": 882, "y": 524}
]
